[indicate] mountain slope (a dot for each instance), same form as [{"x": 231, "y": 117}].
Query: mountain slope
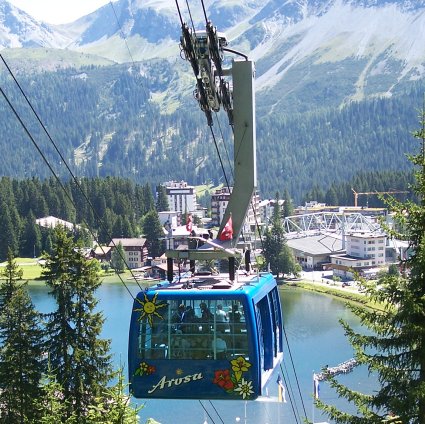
[{"x": 339, "y": 83}]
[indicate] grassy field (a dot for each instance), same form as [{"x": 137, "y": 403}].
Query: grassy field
[{"x": 356, "y": 298}]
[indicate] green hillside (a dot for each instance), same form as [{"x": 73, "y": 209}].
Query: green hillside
[{"x": 143, "y": 124}]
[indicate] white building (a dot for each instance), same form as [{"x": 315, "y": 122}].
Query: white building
[
  {"x": 181, "y": 196},
  {"x": 365, "y": 255},
  {"x": 219, "y": 201}
]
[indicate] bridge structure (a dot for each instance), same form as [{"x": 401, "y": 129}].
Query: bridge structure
[{"x": 329, "y": 222}]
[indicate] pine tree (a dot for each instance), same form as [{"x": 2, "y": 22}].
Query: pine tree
[
  {"x": 288, "y": 207},
  {"x": 9, "y": 231},
  {"x": 394, "y": 347},
  {"x": 21, "y": 338},
  {"x": 31, "y": 238},
  {"x": 118, "y": 258},
  {"x": 113, "y": 406},
  {"x": 274, "y": 243},
  {"x": 79, "y": 358},
  {"x": 161, "y": 199},
  {"x": 152, "y": 229}
]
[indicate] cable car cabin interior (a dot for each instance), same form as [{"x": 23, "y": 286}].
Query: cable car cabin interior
[{"x": 205, "y": 337}]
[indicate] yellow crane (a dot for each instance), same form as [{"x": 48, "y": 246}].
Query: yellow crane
[{"x": 357, "y": 194}]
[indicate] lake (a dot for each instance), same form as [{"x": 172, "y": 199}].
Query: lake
[{"x": 313, "y": 334}]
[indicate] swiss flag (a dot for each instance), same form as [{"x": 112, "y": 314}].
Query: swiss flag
[
  {"x": 227, "y": 233},
  {"x": 189, "y": 223}
]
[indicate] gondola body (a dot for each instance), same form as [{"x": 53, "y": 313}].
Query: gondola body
[{"x": 205, "y": 338}]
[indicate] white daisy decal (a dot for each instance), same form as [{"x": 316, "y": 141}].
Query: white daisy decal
[{"x": 244, "y": 388}]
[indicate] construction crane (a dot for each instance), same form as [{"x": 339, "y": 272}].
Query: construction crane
[{"x": 357, "y": 194}]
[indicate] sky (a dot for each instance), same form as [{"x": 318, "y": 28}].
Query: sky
[{"x": 58, "y": 11}]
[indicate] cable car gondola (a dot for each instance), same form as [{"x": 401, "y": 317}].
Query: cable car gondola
[
  {"x": 205, "y": 337},
  {"x": 210, "y": 335}
]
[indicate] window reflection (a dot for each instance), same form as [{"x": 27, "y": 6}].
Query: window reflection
[{"x": 195, "y": 329}]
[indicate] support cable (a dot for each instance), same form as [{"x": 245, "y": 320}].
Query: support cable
[
  {"x": 220, "y": 159},
  {"x": 47, "y": 162},
  {"x": 203, "y": 407},
  {"x": 291, "y": 397},
  {"x": 216, "y": 411},
  {"x": 294, "y": 371},
  {"x": 78, "y": 185}
]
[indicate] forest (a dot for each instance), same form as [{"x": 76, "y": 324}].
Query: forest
[
  {"x": 113, "y": 121},
  {"x": 116, "y": 207}
]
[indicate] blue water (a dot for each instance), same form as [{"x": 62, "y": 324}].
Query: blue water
[{"x": 315, "y": 339}]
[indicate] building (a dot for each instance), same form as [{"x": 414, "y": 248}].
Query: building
[
  {"x": 219, "y": 201},
  {"x": 266, "y": 209},
  {"x": 181, "y": 196},
  {"x": 135, "y": 250},
  {"x": 52, "y": 222},
  {"x": 365, "y": 254},
  {"x": 315, "y": 251}
]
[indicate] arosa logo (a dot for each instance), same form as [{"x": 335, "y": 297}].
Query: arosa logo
[{"x": 163, "y": 383}]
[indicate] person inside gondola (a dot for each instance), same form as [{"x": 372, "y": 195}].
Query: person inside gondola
[
  {"x": 219, "y": 346},
  {"x": 206, "y": 315},
  {"x": 178, "y": 318},
  {"x": 221, "y": 319},
  {"x": 235, "y": 318}
]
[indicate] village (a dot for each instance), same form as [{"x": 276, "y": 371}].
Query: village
[{"x": 329, "y": 242}]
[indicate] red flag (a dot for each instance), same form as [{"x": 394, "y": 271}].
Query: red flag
[
  {"x": 189, "y": 223},
  {"x": 227, "y": 233}
]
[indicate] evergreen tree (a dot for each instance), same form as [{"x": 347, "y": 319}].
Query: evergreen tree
[
  {"x": 274, "y": 244},
  {"x": 113, "y": 406},
  {"x": 161, "y": 199},
  {"x": 152, "y": 229},
  {"x": 395, "y": 346},
  {"x": 31, "y": 238},
  {"x": 288, "y": 207},
  {"x": 78, "y": 356},
  {"x": 53, "y": 409},
  {"x": 9, "y": 231},
  {"x": 118, "y": 258},
  {"x": 21, "y": 338}
]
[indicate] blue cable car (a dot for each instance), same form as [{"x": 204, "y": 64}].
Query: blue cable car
[
  {"x": 211, "y": 336},
  {"x": 205, "y": 337}
]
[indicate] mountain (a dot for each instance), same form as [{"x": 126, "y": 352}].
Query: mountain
[
  {"x": 18, "y": 29},
  {"x": 338, "y": 84}
]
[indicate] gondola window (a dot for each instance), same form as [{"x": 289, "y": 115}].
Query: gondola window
[{"x": 194, "y": 329}]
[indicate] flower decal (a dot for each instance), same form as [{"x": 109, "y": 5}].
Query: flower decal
[
  {"x": 223, "y": 379},
  {"x": 239, "y": 366},
  {"x": 149, "y": 308},
  {"x": 244, "y": 388},
  {"x": 232, "y": 381},
  {"x": 145, "y": 369}
]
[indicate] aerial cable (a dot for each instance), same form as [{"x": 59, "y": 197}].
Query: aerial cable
[
  {"x": 294, "y": 371},
  {"x": 205, "y": 13},
  {"x": 47, "y": 162},
  {"x": 179, "y": 12},
  {"x": 216, "y": 411},
  {"x": 290, "y": 396},
  {"x": 190, "y": 15},
  {"x": 147, "y": 95},
  {"x": 65, "y": 163},
  {"x": 220, "y": 159},
  {"x": 224, "y": 144},
  {"x": 209, "y": 416},
  {"x": 289, "y": 385}
]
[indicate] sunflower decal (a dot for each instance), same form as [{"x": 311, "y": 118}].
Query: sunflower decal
[{"x": 149, "y": 308}]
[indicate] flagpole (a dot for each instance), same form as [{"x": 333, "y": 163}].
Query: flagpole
[{"x": 312, "y": 401}]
